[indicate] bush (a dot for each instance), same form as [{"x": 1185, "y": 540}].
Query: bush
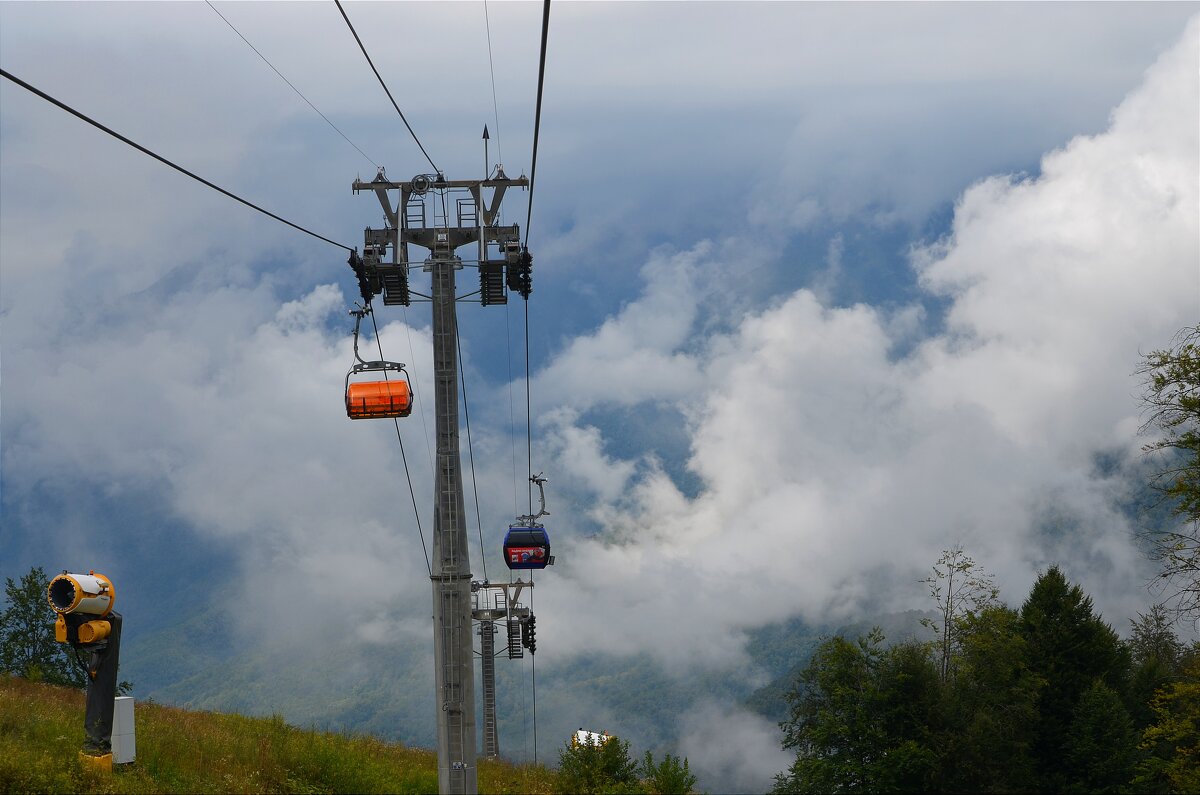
[
  {"x": 597, "y": 768},
  {"x": 668, "y": 777}
]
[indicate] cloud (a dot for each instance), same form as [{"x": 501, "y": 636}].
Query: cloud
[
  {"x": 731, "y": 750},
  {"x": 160, "y": 336},
  {"x": 834, "y": 469},
  {"x": 634, "y": 355},
  {"x": 237, "y": 420}
]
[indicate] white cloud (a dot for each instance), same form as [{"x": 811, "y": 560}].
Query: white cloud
[
  {"x": 833, "y": 472},
  {"x": 833, "y": 457},
  {"x": 731, "y": 750},
  {"x": 635, "y": 356}
]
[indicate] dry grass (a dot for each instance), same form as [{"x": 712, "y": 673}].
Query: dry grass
[{"x": 41, "y": 728}]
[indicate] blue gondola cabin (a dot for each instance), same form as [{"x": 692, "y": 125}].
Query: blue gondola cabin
[{"x": 527, "y": 548}]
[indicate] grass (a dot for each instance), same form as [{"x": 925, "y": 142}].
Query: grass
[{"x": 41, "y": 729}]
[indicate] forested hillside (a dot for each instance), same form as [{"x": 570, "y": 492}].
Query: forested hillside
[{"x": 1044, "y": 698}]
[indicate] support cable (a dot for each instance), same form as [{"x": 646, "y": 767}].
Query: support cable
[
  {"x": 403, "y": 458},
  {"x": 512, "y": 422},
  {"x": 537, "y": 117},
  {"x": 385, "y": 88},
  {"x": 492, "y": 68},
  {"x": 537, "y": 125},
  {"x": 417, "y": 391},
  {"x": 289, "y": 82},
  {"x": 163, "y": 160},
  {"x": 470, "y": 448},
  {"x": 528, "y": 420}
]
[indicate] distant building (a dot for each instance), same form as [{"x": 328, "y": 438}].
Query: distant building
[{"x": 584, "y": 737}]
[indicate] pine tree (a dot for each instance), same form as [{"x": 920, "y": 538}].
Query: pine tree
[
  {"x": 27, "y": 645},
  {"x": 1102, "y": 743},
  {"x": 1070, "y": 648}
]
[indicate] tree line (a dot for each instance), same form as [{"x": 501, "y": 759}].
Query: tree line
[{"x": 1045, "y": 698}]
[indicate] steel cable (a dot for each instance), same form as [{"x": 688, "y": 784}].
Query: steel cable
[{"x": 164, "y": 160}]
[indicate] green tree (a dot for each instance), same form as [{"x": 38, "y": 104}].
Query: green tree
[
  {"x": 1156, "y": 655},
  {"x": 27, "y": 645},
  {"x": 1102, "y": 743},
  {"x": 1069, "y": 647},
  {"x": 961, "y": 588},
  {"x": 1171, "y": 403},
  {"x": 668, "y": 777},
  {"x": 1171, "y": 745},
  {"x": 909, "y": 709},
  {"x": 990, "y": 708},
  {"x": 862, "y": 719},
  {"x": 597, "y": 767},
  {"x": 831, "y": 724}
]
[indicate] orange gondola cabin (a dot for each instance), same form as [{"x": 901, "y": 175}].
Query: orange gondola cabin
[{"x": 372, "y": 400}]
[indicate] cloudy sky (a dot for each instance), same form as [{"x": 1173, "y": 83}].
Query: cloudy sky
[{"x": 820, "y": 290}]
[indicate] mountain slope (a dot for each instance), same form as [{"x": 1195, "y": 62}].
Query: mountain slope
[{"x": 41, "y": 727}]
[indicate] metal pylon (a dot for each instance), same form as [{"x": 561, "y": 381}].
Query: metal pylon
[
  {"x": 450, "y": 565},
  {"x": 451, "y": 575}
]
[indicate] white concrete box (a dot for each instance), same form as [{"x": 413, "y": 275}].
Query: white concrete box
[{"x": 124, "y": 745}]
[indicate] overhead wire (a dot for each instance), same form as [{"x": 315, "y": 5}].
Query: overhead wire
[
  {"x": 537, "y": 124},
  {"x": 512, "y": 424},
  {"x": 417, "y": 391},
  {"x": 289, "y": 82},
  {"x": 470, "y": 448},
  {"x": 492, "y": 69},
  {"x": 362, "y": 47},
  {"x": 404, "y": 458},
  {"x": 164, "y": 160},
  {"x": 512, "y": 421},
  {"x": 528, "y": 413},
  {"x": 537, "y": 116}
]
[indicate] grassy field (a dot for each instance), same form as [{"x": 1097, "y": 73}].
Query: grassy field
[{"x": 41, "y": 728}]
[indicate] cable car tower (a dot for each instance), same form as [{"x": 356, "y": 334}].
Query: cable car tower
[{"x": 422, "y": 218}]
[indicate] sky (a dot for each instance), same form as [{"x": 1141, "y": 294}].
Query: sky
[{"x": 820, "y": 290}]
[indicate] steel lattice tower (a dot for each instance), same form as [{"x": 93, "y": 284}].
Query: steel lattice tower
[{"x": 474, "y": 222}]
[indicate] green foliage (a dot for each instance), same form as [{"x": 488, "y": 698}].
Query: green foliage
[
  {"x": 1171, "y": 745},
  {"x": 27, "y": 645},
  {"x": 668, "y": 777},
  {"x": 1156, "y": 655},
  {"x": 593, "y": 768},
  {"x": 1153, "y": 639},
  {"x": 1171, "y": 401},
  {"x": 960, "y": 588},
  {"x": 1032, "y": 701},
  {"x": 1100, "y": 747},
  {"x": 990, "y": 708},
  {"x": 1070, "y": 648},
  {"x": 862, "y": 719}
]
